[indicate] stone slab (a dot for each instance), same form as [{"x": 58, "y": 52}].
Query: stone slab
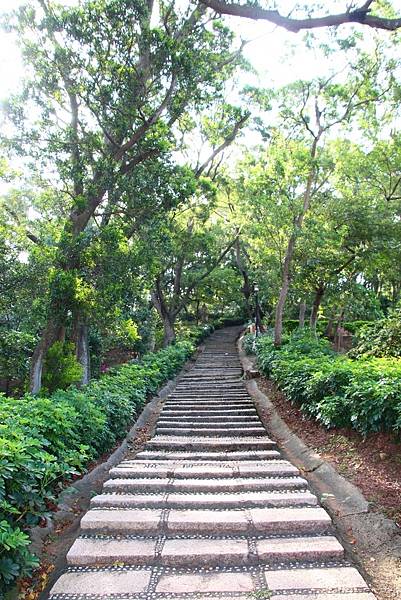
[
  {"x": 98, "y": 551},
  {"x": 102, "y": 583},
  {"x": 126, "y": 521},
  {"x": 202, "y": 456},
  {"x": 207, "y": 521},
  {"x": 199, "y": 552},
  {"x": 323, "y": 596},
  {"x": 306, "y": 548},
  {"x": 341, "y": 578},
  {"x": 210, "y": 582},
  {"x": 296, "y": 520}
]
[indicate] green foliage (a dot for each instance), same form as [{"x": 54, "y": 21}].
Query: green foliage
[
  {"x": 46, "y": 441},
  {"x": 381, "y": 338},
  {"x": 61, "y": 368},
  {"x": 335, "y": 390},
  {"x": 16, "y": 348}
]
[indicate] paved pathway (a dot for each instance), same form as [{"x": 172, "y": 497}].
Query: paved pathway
[{"x": 209, "y": 509}]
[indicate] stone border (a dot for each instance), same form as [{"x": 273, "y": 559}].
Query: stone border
[{"x": 375, "y": 542}]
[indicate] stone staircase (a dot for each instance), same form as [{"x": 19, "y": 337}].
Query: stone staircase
[{"x": 208, "y": 509}]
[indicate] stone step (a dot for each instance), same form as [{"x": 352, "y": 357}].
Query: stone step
[
  {"x": 320, "y": 583},
  {"x": 200, "y": 552},
  {"x": 189, "y": 396},
  {"x": 197, "y": 405},
  {"x": 117, "y": 494},
  {"x": 171, "y": 443},
  {"x": 222, "y": 419},
  {"x": 183, "y": 470},
  {"x": 312, "y": 580},
  {"x": 200, "y": 412},
  {"x": 130, "y": 483},
  {"x": 105, "y": 518},
  {"x": 208, "y": 456},
  {"x": 210, "y": 431},
  {"x": 223, "y": 426}
]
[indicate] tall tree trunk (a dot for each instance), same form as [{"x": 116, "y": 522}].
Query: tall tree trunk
[
  {"x": 80, "y": 336},
  {"x": 167, "y": 317},
  {"x": 246, "y": 288},
  {"x": 302, "y": 312},
  {"x": 169, "y": 331},
  {"x": 286, "y": 274},
  {"x": 319, "y": 293},
  {"x": 52, "y": 333},
  {"x": 285, "y": 286}
]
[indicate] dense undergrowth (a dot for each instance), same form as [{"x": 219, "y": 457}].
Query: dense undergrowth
[
  {"x": 46, "y": 441},
  {"x": 362, "y": 392}
]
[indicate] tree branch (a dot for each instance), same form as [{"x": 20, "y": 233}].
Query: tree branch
[
  {"x": 228, "y": 140},
  {"x": 360, "y": 15}
]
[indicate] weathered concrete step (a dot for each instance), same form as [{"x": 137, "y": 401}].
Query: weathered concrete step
[
  {"x": 213, "y": 421},
  {"x": 202, "y": 395},
  {"x": 195, "y": 552},
  {"x": 210, "y": 431},
  {"x": 256, "y": 521},
  {"x": 128, "y": 483},
  {"x": 208, "y": 456},
  {"x": 120, "y": 583},
  {"x": 112, "y": 497},
  {"x": 170, "y": 443},
  {"x": 222, "y": 407},
  {"x": 224, "y": 426},
  {"x": 200, "y": 412},
  {"x": 207, "y": 404},
  {"x": 168, "y": 469}
]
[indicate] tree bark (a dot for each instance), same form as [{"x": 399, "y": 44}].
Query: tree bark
[
  {"x": 52, "y": 332},
  {"x": 167, "y": 317},
  {"x": 246, "y": 288},
  {"x": 286, "y": 274},
  {"x": 80, "y": 336},
  {"x": 302, "y": 312},
  {"x": 169, "y": 331},
  {"x": 319, "y": 293}
]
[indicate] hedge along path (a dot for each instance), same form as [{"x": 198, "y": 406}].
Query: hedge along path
[{"x": 208, "y": 509}]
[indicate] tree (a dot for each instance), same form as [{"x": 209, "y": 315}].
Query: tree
[{"x": 123, "y": 89}]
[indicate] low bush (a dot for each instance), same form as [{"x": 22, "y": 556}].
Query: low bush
[
  {"x": 336, "y": 390},
  {"x": 381, "y": 338},
  {"x": 46, "y": 441}
]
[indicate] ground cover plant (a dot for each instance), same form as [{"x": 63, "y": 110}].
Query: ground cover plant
[
  {"x": 361, "y": 393},
  {"x": 44, "y": 442}
]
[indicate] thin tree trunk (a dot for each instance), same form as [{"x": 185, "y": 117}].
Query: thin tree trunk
[
  {"x": 302, "y": 312},
  {"x": 166, "y": 316},
  {"x": 286, "y": 275},
  {"x": 50, "y": 334},
  {"x": 319, "y": 293},
  {"x": 80, "y": 337},
  {"x": 246, "y": 288},
  {"x": 285, "y": 286},
  {"x": 169, "y": 331}
]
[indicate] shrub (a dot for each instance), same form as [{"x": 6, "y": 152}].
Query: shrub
[
  {"x": 60, "y": 368},
  {"x": 381, "y": 338},
  {"x": 16, "y": 348},
  {"x": 337, "y": 391},
  {"x": 45, "y": 441}
]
